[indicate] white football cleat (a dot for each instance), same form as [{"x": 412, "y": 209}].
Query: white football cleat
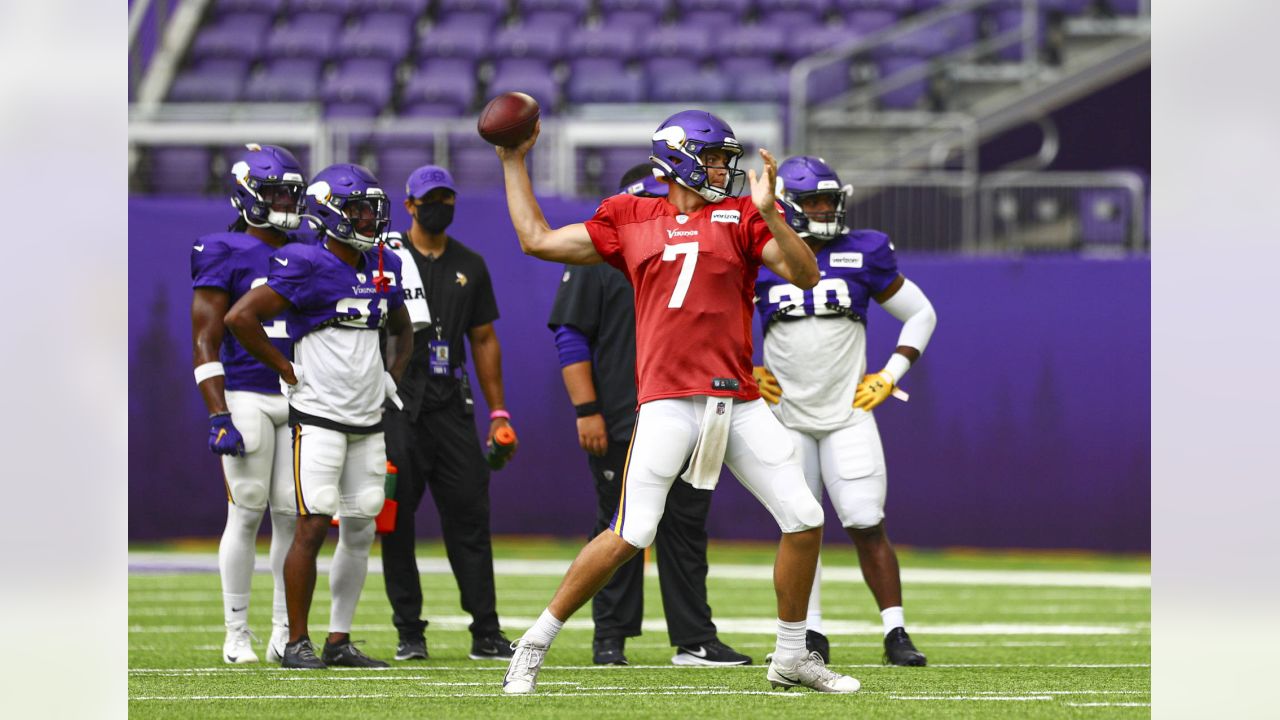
[
  {"x": 237, "y": 649},
  {"x": 522, "y": 674},
  {"x": 811, "y": 672},
  {"x": 275, "y": 647}
]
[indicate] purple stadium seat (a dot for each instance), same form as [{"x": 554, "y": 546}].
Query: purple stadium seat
[
  {"x": 869, "y": 21},
  {"x": 633, "y": 20},
  {"x": 459, "y": 67},
  {"x": 179, "y": 170},
  {"x": 466, "y": 41},
  {"x": 938, "y": 37},
  {"x": 285, "y": 80},
  {"x": 473, "y": 163},
  {"x": 657, "y": 67},
  {"x": 492, "y": 8},
  {"x": 408, "y": 8},
  {"x": 353, "y": 110},
  {"x": 737, "y": 7},
  {"x": 437, "y": 85},
  {"x": 614, "y": 42},
  {"x": 909, "y": 96},
  {"x": 394, "y": 162},
  {"x": 819, "y": 39},
  {"x": 210, "y": 81},
  {"x": 1011, "y": 19},
  {"x": 305, "y": 36},
  {"x": 524, "y": 41},
  {"x": 430, "y": 110},
  {"x": 814, "y": 7},
  {"x": 541, "y": 86},
  {"x": 483, "y": 20},
  {"x": 677, "y": 41},
  {"x": 360, "y": 80},
  {"x": 558, "y": 20},
  {"x": 379, "y": 35},
  {"x": 1125, "y": 7},
  {"x": 828, "y": 81},
  {"x": 240, "y": 35},
  {"x": 616, "y": 161},
  {"x": 268, "y": 7},
  {"x": 608, "y": 7},
  {"x": 755, "y": 79},
  {"x": 596, "y": 79},
  {"x": 713, "y": 20},
  {"x": 1105, "y": 215},
  {"x": 749, "y": 41},
  {"x": 298, "y": 8},
  {"x": 702, "y": 87},
  {"x": 900, "y": 7},
  {"x": 579, "y": 7},
  {"x": 791, "y": 20}
]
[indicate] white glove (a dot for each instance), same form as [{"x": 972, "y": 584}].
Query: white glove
[
  {"x": 389, "y": 388},
  {"x": 288, "y": 389}
]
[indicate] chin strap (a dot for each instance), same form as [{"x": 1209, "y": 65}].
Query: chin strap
[{"x": 381, "y": 282}]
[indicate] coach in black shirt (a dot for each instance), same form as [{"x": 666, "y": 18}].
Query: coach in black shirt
[
  {"x": 594, "y": 319},
  {"x": 433, "y": 441}
]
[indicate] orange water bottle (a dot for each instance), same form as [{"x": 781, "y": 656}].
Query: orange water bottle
[
  {"x": 504, "y": 442},
  {"x": 386, "y": 521}
]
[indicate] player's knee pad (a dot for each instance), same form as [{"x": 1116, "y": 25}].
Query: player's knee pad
[
  {"x": 863, "y": 516},
  {"x": 324, "y": 501},
  {"x": 355, "y": 535},
  {"x": 243, "y": 519},
  {"x": 369, "y": 501},
  {"x": 250, "y": 496}
]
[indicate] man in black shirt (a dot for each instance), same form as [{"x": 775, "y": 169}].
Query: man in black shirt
[
  {"x": 594, "y": 322},
  {"x": 432, "y": 441}
]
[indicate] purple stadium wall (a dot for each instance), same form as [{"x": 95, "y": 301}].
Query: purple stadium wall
[{"x": 1028, "y": 426}]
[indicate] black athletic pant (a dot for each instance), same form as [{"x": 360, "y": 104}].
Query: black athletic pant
[
  {"x": 681, "y": 545},
  {"x": 440, "y": 451}
]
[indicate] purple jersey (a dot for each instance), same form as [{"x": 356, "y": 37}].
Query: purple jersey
[
  {"x": 236, "y": 263},
  {"x": 326, "y": 292},
  {"x": 855, "y": 267}
]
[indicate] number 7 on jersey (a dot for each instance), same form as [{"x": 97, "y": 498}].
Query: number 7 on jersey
[{"x": 690, "y": 252}]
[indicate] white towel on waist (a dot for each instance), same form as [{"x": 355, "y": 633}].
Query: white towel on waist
[
  {"x": 411, "y": 283},
  {"x": 713, "y": 439}
]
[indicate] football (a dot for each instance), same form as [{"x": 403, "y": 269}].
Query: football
[{"x": 508, "y": 119}]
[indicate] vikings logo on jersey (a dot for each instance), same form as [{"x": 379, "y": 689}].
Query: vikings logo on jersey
[
  {"x": 326, "y": 292},
  {"x": 855, "y": 267}
]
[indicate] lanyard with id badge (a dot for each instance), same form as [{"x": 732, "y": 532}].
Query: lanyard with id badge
[{"x": 438, "y": 354}]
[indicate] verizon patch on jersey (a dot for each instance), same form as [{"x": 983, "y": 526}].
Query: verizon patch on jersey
[
  {"x": 726, "y": 216},
  {"x": 846, "y": 259}
]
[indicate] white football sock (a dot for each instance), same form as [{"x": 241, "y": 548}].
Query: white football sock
[
  {"x": 235, "y": 562},
  {"x": 790, "y": 648},
  {"x": 348, "y": 570},
  {"x": 282, "y": 528},
  {"x": 893, "y": 618},
  {"x": 814, "y": 619},
  {"x": 544, "y": 629}
]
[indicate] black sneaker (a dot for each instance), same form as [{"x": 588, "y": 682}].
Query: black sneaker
[
  {"x": 608, "y": 651},
  {"x": 711, "y": 652},
  {"x": 899, "y": 650},
  {"x": 817, "y": 642},
  {"x": 301, "y": 656},
  {"x": 494, "y": 646},
  {"x": 345, "y": 654},
  {"x": 412, "y": 649}
]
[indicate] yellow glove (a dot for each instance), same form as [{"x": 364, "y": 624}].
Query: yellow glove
[
  {"x": 873, "y": 390},
  {"x": 769, "y": 388}
]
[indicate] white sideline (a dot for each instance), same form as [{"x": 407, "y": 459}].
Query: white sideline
[{"x": 208, "y": 562}]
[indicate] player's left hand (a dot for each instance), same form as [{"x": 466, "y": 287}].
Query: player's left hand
[
  {"x": 763, "y": 184},
  {"x": 493, "y": 428},
  {"x": 224, "y": 438},
  {"x": 389, "y": 389},
  {"x": 770, "y": 390},
  {"x": 874, "y": 389}
]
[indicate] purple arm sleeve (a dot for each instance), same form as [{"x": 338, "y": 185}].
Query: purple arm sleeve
[{"x": 572, "y": 345}]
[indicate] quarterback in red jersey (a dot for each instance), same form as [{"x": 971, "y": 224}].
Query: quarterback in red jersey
[{"x": 692, "y": 258}]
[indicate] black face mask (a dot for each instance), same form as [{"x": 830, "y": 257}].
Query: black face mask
[{"x": 434, "y": 217}]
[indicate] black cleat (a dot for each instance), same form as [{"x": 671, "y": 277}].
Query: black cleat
[
  {"x": 345, "y": 654},
  {"x": 301, "y": 656},
  {"x": 899, "y": 650},
  {"x": 608, "y": 651},
  {"x": 412, "y": 649},
  {"x": 817, "y": 642},
  {"x": 494, "y": 646},
  {"x": 711, "y": 652}
]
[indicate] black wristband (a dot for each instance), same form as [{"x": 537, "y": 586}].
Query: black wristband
[{"x": 587, "y": 409}]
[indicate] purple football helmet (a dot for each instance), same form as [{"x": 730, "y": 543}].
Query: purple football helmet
[
  {"x": 640, "y": 181},
  {"x": 346, "y": 201},
  {"x": 679, "y": 141},
  {"x": 268, "y": 187},
  {"x": 805, "y": 176}
]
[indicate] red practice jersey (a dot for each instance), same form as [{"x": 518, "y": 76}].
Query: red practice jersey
[{"x": 694, "y": 278}]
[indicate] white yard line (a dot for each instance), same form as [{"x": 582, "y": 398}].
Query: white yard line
[
  {"x": 208, "y": 562},
  {"x": 387, "y": 696},
  {"x": 986, "y": 698},
  {"x": 501, "y": 667},
  {"x": 1115, "y": 704}
]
